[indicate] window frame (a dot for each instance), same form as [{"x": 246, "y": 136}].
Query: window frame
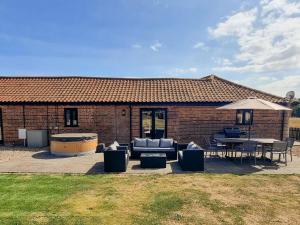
[
  {"x": 71, "y": 119},
  {"x": 244, "y": 111}
]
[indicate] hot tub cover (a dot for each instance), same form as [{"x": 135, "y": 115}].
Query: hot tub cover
[{"x": 69, "y": 137}]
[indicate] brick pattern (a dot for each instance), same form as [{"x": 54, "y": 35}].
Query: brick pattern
[
  {"x": 107, "y": 121},
  {"x": 192, "y": 123},
  {"x": 185, "y": 123},
  {"x": 12, "y": 118}
]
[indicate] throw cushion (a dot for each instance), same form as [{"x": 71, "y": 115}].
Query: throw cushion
[
  {"x": 190, "y": 145},
  {"x": 152, "y": 143},
  {"x": 166, "y": 143},
  {"x": 140, "y": 142},
  {"x": 193, "y": 147},
  {"x": 114, "y": 146}
]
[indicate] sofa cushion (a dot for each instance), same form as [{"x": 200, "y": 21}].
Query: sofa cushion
[
  {"x": 153, "y": 143},
  {"x": 140, "y": 142},
  {"x": 148, "y": 149},
  {"x": 113, "y": 146},
  {"x": 166, "y": 143}
]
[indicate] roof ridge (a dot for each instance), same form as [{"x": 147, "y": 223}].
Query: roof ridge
[{"x": 94, "y": 77}]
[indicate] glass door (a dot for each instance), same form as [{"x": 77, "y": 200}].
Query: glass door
[
  {"x": 160, "y": 124},
  {"x": 146, "y": 128},
  {"x": 1, "y": 128},
  {"x": 153, "y": 123}
]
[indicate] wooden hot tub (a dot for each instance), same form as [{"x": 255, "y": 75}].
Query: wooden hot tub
[{"x": 73, "y": 144}]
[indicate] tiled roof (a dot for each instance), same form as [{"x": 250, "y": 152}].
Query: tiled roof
[{"x": 118, "y": 90}]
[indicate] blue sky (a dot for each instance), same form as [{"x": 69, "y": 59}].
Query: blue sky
[{"x": 256, "y": 43}]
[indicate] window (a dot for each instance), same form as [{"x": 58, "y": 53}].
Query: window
[
  {"x": 71, "y": 118},
  {"x": 244, "y": 117}
]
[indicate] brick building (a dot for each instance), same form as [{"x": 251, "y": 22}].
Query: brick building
[{"x": 120, "y": 109}]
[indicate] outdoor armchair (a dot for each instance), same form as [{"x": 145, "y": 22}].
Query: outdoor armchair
[
  {"x": 100, "y": 148},
  {"x": 123, "y": 146},
  {"x": 190, "y": 159},
  {"x": 116, "y": 160}
]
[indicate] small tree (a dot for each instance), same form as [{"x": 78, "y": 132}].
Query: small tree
[{"x": 296, "y": 111}]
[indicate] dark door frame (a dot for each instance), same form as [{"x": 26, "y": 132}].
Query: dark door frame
[
  {"x": 153, "y": 120},
  {"x": 1, "y": 127}
]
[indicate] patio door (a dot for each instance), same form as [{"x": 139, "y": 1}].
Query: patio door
[
  {"x": 153, "y": 123},
  {"x": 1, "y": 127}
]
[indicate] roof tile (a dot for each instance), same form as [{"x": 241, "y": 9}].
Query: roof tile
[{"x": 91, "y": 89}]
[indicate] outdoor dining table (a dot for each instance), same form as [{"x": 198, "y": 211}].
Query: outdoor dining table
[{"x": 234, "y": 141}]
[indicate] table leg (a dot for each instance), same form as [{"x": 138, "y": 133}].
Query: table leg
[{"x": 263, "y": 152}]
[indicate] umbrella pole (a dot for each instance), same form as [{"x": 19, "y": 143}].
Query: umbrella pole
[
  {"x": 250, "y": 123},
  {"x": 249, "y": 128}
]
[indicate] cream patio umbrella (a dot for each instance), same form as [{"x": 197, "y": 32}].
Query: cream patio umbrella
[{"x": 252, "y": 104}]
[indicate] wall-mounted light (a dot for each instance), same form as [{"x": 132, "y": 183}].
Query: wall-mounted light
[{"x": 123, "y": 112}]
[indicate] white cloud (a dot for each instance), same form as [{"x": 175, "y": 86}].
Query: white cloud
[
  {"x": 136, "y": 46},
  {"x": 226, "y": 62},
  {"x": 282, "y": 86},
  {"x": 184, "y": 71},
  {"x": 238, "y": 24},
  {"x": 222, "y": 61},
  {"x": 268, "y": 37},
  {"x": 286, "y": 8},
  {"x": 271, "y": 84},
  {"x": 156, "y": 46},
  {"x": 266, "y": 79},
  {"x": 200, "y": 45}
]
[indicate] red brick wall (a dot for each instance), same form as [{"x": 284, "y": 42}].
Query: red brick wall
[
  {"x": 107, "y": 121},
  {"x": 12, "y": 118},
  {"x": 185, "y": 123},
  {"x": 192, "y": 123}
]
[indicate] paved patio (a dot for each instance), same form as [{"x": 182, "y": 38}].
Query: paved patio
[{"x": 22, "y": 160}]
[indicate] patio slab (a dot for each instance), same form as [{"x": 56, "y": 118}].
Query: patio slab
[{"x": 16, "y": 160}]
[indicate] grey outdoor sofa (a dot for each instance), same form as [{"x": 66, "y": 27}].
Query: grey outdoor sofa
[
  {"x": 145, "y": 145},
  {"x": 191, "y": 157},
  {"x": 116, "y": 158}
]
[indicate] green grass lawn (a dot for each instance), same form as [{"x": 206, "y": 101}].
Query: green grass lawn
[{"x": 150, "y": 199}]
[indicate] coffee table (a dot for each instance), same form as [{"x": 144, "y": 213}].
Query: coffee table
[{"x": 153, "y": 160}]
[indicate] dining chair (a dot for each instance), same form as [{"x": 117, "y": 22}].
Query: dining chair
[
  {"x": 249, "y": 148},
  {"x": 280, "y": 148},
  {"x": 290, "y": 143},
  {"x": 212, "y": 146}
]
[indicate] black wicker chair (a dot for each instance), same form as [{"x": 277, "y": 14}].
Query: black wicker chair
[
  {"x": 190, "y": 160},
  {"x": 116, "y": 160},
  {"x": 100, "y": 148}
]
